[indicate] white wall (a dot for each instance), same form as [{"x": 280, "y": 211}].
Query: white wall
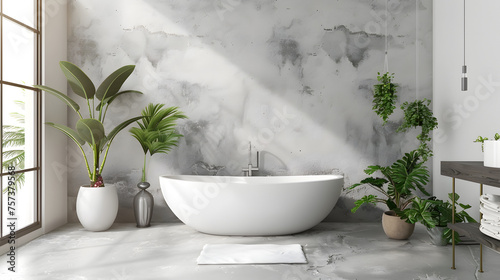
[
  {"x": 54, "y": 145},
  {"x": 465, "y": 115}
]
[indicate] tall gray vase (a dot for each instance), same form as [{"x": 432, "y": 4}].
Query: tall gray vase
[{"x": 143, "y": 206}]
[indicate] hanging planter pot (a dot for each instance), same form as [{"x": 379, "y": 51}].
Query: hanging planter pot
[{"x": 97, "y": 208}]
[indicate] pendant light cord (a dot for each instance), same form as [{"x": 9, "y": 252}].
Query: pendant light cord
[
  {"x": 464, "y": 32},
  {"x": 416, "y": 51},
  {"x": 386, "y": 60}
]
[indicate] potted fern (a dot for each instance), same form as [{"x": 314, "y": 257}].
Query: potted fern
[
  {"x": 97, "y": 203},
  {"x": 156, "y": 134}
]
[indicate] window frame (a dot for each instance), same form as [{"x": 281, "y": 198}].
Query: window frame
[{"x": 37, "y": 169}]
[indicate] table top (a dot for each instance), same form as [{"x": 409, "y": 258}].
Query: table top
[{"x": 473, "y": 171}]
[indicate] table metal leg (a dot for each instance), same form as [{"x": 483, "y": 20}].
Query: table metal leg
[
  {"x": 480, "y": 245},
  {"x": 453, "y": 222}
]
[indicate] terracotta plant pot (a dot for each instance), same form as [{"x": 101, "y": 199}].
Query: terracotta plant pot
[{"x": 395, "y": 228}]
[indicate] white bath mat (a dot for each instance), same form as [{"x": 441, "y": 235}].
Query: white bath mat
[{"x": 251, "y": 254}]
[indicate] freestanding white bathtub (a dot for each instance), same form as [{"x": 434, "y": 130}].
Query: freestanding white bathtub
[{"x": 227, "y": 205}]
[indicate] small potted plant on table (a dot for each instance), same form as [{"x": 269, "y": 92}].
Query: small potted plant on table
[{"x": 491, "y": 149}]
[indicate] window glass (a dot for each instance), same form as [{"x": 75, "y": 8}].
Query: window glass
[
  {"x": 19, "y": 201},
  {"x": 20, "y": 10},
  {"x": 18, "y": 54},
  {"x": 19, "y": 118},
  {"x": 18, "y": 127}
]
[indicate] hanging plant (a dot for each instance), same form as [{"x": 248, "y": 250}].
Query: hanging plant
[
  {"x": 384, "y": 96},
  {"x": 418, "y": 113}
]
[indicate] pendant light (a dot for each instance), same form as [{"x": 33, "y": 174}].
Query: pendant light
[{"x": 464, "y": 67}]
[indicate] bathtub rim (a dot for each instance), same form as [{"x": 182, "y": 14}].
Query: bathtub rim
[{"x": 243, "y": 180}]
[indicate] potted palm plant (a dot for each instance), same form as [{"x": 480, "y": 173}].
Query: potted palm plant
[
  {"x": 156, "y": 134},
  {"x": 397, "y": 187},
  {"x": 97, "y": 203}
]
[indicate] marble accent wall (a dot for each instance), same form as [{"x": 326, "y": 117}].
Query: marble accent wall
[{"x": 293, "y": 77}]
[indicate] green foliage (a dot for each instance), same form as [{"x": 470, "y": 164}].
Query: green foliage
[
  {"x": 418, "y": 114},
  {"x": 156, "y": 132},
  {"x": 368, "y": 199},
  {"x": 419, "y": 212},
  {"x": 440, "y": 213},
  {"x": 91, "y": 129},
  {"x": 481, "y": 140},
  {"x": 384, "y": 96},
  {"x": 407, "y": 176},
  {"x": 13, "y": 139},
  {"x": 399, "y": 183}
]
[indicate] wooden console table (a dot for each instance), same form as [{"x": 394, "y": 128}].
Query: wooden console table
[{"x": 473, "y": 171}]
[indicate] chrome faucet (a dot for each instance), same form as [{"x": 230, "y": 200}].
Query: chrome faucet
[{"x": 248, "y": 171}]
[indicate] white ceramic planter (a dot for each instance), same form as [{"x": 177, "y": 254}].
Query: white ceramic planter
[
  {"x": 96, "y": 208},
  {"x": 492, "y": 153}
]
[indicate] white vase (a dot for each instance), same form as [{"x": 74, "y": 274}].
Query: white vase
[
  {"x": 492, "y": 153},
  {"x": 96, "y": 208}
]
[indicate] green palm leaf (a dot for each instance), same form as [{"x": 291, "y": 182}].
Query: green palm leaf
[
  {"x": 70, "y": 102},
  {"x": 73, "y": 135},
  {"x": 117, "y": 129},
  {"x": 13, "y": 141},
  {"x": 156, "y": 132},
  {"x": 14, "y": 158},
  {"x": 142, "y": 136},
  {"x": 108, "y": 100},
  {"x": 13, "y": 138},
  {"x": 112, "y": 84},
  {"x": 90, "y": 130},
  {"x": 79, "y": 82}
]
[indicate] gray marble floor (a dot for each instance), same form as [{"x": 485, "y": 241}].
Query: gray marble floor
[{"x": 169, "y": 251}]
